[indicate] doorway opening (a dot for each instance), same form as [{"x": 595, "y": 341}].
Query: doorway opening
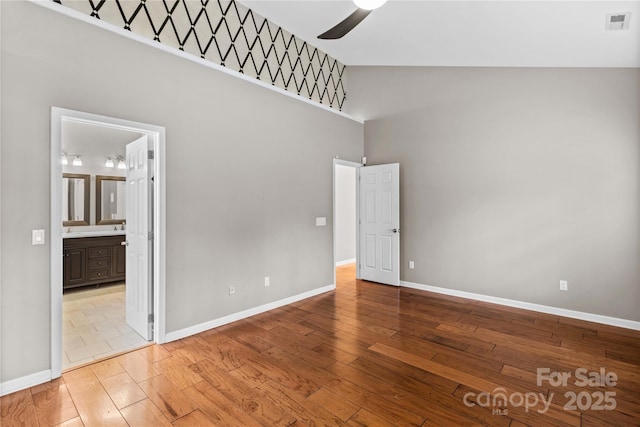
[
  {"x": 376, "y": 222},
  {"x": 345, "y": 214},
  {"x": 94, "y": 324},
  {"x": 97, "y": 235}
]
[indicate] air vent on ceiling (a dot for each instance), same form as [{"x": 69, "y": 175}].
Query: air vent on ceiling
[{"x": 617, "y": 21}]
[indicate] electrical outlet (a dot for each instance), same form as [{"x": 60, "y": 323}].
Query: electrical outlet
[
  {"x": 232, "y": 290},
  {"x": 266, "y": 281},
  {"x": 412, "y": 265},
  {"x": 564, "y": 285}
]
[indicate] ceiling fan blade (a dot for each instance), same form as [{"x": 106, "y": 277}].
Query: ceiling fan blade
[{"x": 346, "y": 25}]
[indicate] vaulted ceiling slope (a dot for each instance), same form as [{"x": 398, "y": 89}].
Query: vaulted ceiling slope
[{"x": 467, "y": 33}]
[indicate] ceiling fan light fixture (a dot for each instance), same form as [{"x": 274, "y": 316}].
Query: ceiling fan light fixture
[
  {"x": 369, "y": 4},
  {"x": 365, "y": 7}
]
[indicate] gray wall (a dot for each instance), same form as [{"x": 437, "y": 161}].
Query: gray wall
[
  {"x": 242, "y": 193},
  {"x": 345, "y": 220},
  {"x": 512, "y": 179}
]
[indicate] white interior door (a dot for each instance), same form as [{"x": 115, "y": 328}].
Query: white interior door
[
  {"x": 139, "y": 239},
  {"x": 379, "y": 223}
]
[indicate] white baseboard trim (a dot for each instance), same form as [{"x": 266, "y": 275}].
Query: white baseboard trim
[
  {"x": 597, "y": 318},
  {"x": 22, "y": 383},
  {"x": 345, "y": 262},
  {"x": 196, "y": 329}
]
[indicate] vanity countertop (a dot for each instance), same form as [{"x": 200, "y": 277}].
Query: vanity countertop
[{"x": 97, "y": 233}]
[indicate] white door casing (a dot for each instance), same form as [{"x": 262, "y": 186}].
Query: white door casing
[
  {"x": 379, "y": 223},
  {"x": 157, "y": 140},
  {"x": 138, "y": 277}
]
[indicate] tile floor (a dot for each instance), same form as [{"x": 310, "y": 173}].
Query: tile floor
[{"x": 94, "y": 325}]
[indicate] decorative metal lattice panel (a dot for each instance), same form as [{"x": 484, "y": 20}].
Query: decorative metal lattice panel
[{"x": 231, "y": 35}]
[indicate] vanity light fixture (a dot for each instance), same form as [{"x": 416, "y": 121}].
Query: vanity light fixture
[
  {"x": 77, "y": 160},
  {"x": 112, "y": 161}
]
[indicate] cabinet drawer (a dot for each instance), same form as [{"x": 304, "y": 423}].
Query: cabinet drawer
[
  {"x": 97, "y": 263},
  {"x": 99, "y": 274},
  {"x": 100, "y": 251}
]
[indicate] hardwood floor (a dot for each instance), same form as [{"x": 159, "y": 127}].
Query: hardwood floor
[{"x": 366, "y": 354}]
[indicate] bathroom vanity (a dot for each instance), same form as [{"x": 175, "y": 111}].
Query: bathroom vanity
[
  {"x": 92, "y": 253},
  {"x": 93, "y": 260}
]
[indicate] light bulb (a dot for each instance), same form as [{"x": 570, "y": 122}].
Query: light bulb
[
  {"x": 109, "y": 162},
  {"x": 65, "y": 161},
  {"x": 121, "y": 164},
  {"x": 369, "y": 4},
  {"x": 77, "y": 161}
]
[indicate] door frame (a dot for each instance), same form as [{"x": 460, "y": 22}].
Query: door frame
[
  {"x": 157, "y": 136},
  {"x": 357, "y": 166}
]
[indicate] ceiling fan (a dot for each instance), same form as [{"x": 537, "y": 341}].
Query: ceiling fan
[{"x": 365, "y": 7}]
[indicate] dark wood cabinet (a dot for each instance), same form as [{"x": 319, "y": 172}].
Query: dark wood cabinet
[
  {"x": 75, "y": 271},
  {"x": 118, "y": 263},
  {"x": 93, "y": 260}
]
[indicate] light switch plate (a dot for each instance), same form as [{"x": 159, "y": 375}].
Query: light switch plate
[
  {"x": 37, "y": 237},
  {"x": 321, "y": 221}
]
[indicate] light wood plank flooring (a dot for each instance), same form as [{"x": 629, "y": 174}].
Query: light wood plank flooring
[{"x": 365, "y": 354}]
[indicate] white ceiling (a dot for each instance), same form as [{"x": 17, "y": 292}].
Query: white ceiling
[
  {"x": 467, "y": 33},
  {"x": 94, "y": 140}
]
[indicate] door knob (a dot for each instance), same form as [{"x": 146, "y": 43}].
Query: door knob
[
  {"x": 395, "y": 230},
  {"x": 125, "y": 243}
]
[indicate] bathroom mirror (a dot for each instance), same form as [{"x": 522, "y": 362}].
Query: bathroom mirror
[
  {"x": 110, "y": 199},
  {"x": 75, "y": 199}
]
